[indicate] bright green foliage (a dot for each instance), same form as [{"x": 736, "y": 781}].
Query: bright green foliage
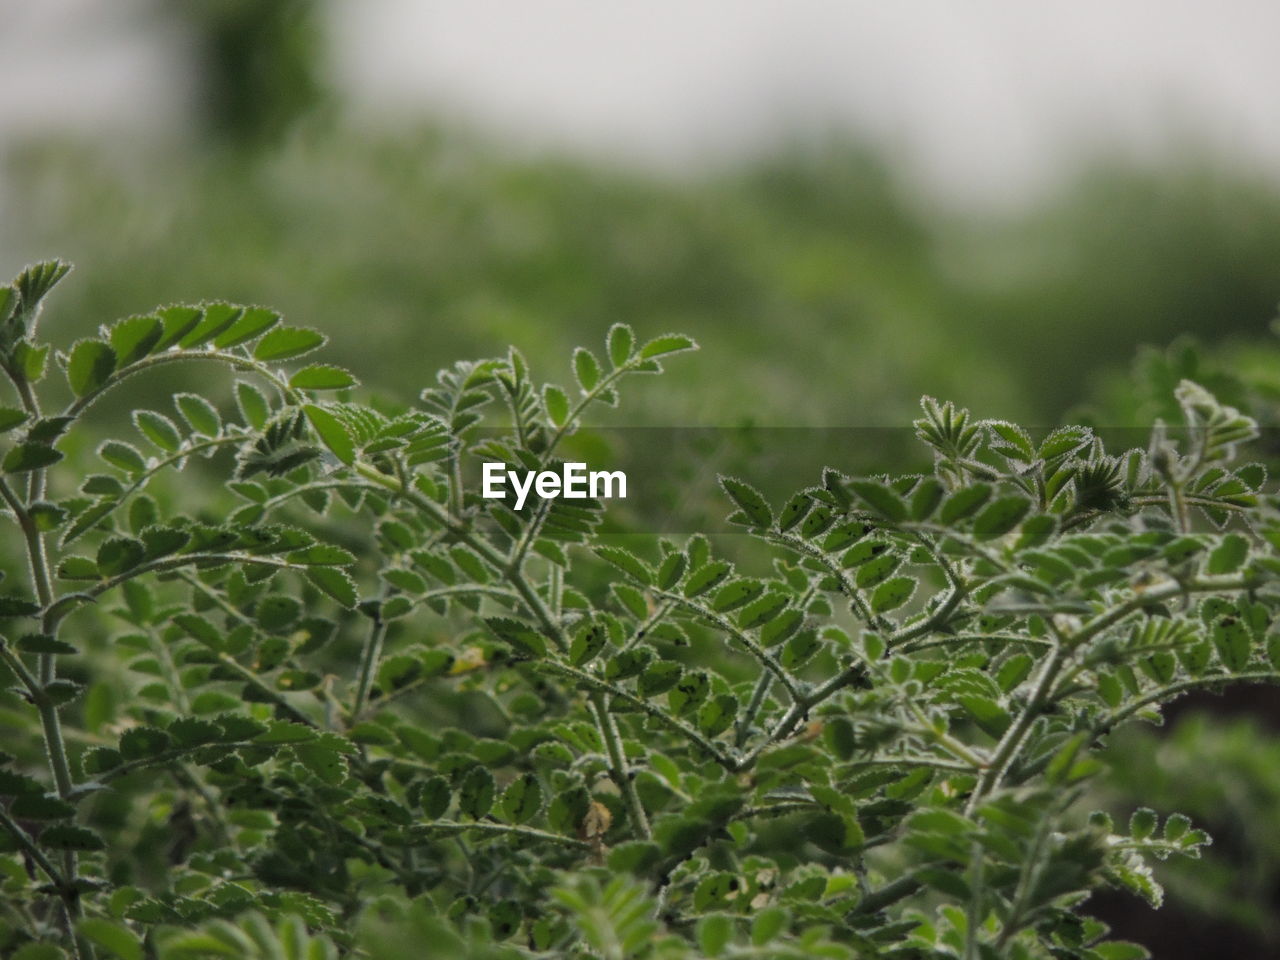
[{"x": 342, "y": 685}]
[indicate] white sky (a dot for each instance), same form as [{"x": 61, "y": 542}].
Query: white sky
[{"x": 986, "y": 98}]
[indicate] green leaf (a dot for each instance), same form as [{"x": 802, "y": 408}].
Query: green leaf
[
  {"x": 119, "y": 554},
  {"x": 754, "y": 507},
  {"x": 66, "y": 836},
  {"x": 1001, "y": 516},
  {"x": 925, "y": 498},
  {"x": 322, "y": 376},
  {"x": 706, "y": 576},
  {"x": 31, "y": 361},
  {"x": 44, "y": 643},
  {"x": 621, "y": 342},
  {"x": 669, "y": 343},
  {"x": 627, "y": 562},
  {"x": 142, "y": 743},
  {"x": 115, "y": 938},
  {"x": 26, "y": 457},
  {"x": 123, "y": 455},
  {"x": 18, "y": 607},
  {"x": 335, "y": 583},
  {"x": 41, "y": 806},
  {"x": 556, "y": 404},
  {"x": 322, "y": 554},
  {"x": 717, "y": 714},
  {"x": 1232, "y": 640},
  {"x": 199, "y": 413},
  {"x": 252, "y": 323},
  {"x": 1229, "y": 555},
  {"x": 659, "y": 678},
  {"x": 714, "y": 933},
  {"x": 671, "y": 570},
  {"x": 214, "y": 319},
  {"x": 475, "y": 794},
  {"x": 522, "y": 636},
  {"x": 90, "y": 366},
  {"x": 586, "y": 368},
  {"x": 892, "y": 594},
  {"x": 285, "y": 343},
  {"x": 434, "y": 796},
  {"x": 253, "y": 406},
  {"x": 735, "y": 594},
  {"x": 881, "y": 499},
  {"x": 11, "y": 417},
  {"x": 158, "y": 428},
  {"x": 78, "y": 568},
  {"x": 522, "y": 800},
  {"x": 134, "y": 338},
  {"x": 178, "y": 321},
  {"x": 964, "y": 502},
  {"x": 587, "y": 644},
  {"x": 1142, "y": 824},
  {"x": 331, "y": 432},
  {"x": 986, "y": 713}
]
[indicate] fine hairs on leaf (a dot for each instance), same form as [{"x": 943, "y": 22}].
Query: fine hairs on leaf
[{"x": 316, "y": 697}]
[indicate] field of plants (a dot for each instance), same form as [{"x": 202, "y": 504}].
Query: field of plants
[{"x": 940, "y": 621}]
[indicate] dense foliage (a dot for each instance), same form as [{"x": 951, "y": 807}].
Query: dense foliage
[{"x": 337, "y": 702}]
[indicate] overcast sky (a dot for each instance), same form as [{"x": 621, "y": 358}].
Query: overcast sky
[{"x": 985, "y": 98}]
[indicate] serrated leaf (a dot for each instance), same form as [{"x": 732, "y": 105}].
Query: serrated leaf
[
  {"x": 522, "y": 800},
  {"x": 252, "y": 323},
  {"x": 286, "y": 343},
  {"x": 522, "y": 636},
  {"x": 134, "y": 338},
  {"x": 556, "y": 404},
  {"x": 335, "y": 583},
  {"x": 199, "y": 413},
  {"x": 706, "y": 576},
  {"x": 119, "y": 554},
  {"x": 621, "y": 342},
  {"x": 253, "y": 406},
  {"x": 475, "y": 793},
  {"x": 322, "y": 376},
  {"x": 44, "y": 643},
  {"x": 964, "y": 502},
  {"x": 749, "y": 500},
  {"x": 587, "y": 643},
  {"x": 627, "y": 562},
  {"x": 586, "y": 368},
  {"x": 115, "y": 938},
  {"x": 1000, "y": 516},
  {"x": 89, "y": 366},
  {"x": 159, "y": 429},
  {"x": 66, "y": 836},
  {"x": 123, "y": 455},
  {"x": 18, "y": 607},
  {"x": 669, "y": 343},
  {"x": 1229, "y": 555},
  {"x": 26, "y": 457},
  {"x": 892, "y": 594},
  {"x": 333, "y": 434},
  {"x": 881, "y": 499},
  {"x": 11, "y": 417}
]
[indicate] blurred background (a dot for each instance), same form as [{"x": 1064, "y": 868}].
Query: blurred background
[{"x": 848, "y": 203}]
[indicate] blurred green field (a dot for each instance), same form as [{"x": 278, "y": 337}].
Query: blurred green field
[{"x": 823, "y": 289}]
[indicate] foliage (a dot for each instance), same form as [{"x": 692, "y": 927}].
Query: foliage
[{"x": 376, "y": 709}]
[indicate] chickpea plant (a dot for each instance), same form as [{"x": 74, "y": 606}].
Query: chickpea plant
[{"x": 359, "y": 706}]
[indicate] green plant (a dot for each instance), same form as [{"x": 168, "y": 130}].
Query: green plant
[{"x": 377, "y": 708}]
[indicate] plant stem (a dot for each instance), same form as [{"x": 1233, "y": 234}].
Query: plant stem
[
  {"x": 368, "y": 661},
  {"x": 621, "y": 776}
]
